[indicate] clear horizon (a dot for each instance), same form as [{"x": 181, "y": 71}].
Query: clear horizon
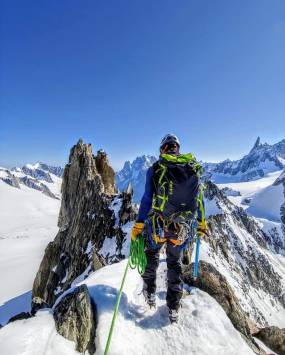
[{"x": 123, "y": 74}]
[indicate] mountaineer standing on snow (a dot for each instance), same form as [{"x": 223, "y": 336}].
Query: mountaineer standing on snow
[{"x": 171, "y": 205}]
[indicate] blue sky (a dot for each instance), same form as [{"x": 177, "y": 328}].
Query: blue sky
[{"x": 121, "y": 74}]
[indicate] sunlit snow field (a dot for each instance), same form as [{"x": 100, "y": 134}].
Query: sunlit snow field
[{"x": 28, "y": 221}]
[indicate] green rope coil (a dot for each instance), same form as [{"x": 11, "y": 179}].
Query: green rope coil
[{"x": 137, "y": 256}]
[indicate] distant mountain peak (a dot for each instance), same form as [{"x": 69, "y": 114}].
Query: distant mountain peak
[
  {"x": 262, "y": 159},
  {"x": 256, "y": 144},
  {"x": 134, "y": 173}
]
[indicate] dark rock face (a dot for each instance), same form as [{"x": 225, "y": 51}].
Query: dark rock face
[
  {"x": 75, "y": 319},
  {"x": 38, "y": 303},
  {"x": 56, "y": 170},
  {"x": 20, "y": 316},
  {"x": 237, "y": 243},
  {"x": 216, "y": 285},
  {"x": 86, "y": 219},
  {"x": 37, "y": 174},
  {"x": 106, "y": 172},
  {"x": 230, "y": 192},
  {"x": 274, "y": 338},
  {"x": 127, "y": 212},
  {"x": 37, "y": 185},
  {"x": 11, "y": 179}
]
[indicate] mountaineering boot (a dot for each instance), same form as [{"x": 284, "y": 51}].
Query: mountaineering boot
[
  {"x": 173, "y": 315},
  {"x": 149, "y": 298}
]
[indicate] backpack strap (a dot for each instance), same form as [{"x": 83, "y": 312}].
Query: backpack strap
[{"x": 159, "y": 171}]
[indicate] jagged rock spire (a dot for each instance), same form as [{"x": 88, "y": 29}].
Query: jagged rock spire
[
  {"x": 80, "y": 169},
  {"x": 256, "y": 144},
  {"x": 106, "y": 172},
  {"x": 86, "y": 219}
]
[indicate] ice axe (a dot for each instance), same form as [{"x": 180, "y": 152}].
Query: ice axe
[{"x": 197, "y": 252}]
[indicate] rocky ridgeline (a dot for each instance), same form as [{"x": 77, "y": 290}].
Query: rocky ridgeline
[
  {"x": 86, "y": 219},
  {"x": 273, "y": 337},
  {"x": 215, "y": 284},
  {"x": 37, "y": 173},
  {"x": 261, "y": 159},
  {"x": 238, "y": 266},
  {"x": 241, "y": 251}
]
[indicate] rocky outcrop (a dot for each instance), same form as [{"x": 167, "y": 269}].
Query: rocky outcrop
[
  {"x": 11, "y": 179},
  {"x": 273, "y": 337},
  {"x": 88, "y": 216},
  {"x": 106, "y": 172},
  {"x": 80, "y": 177},
  {"x": 230, "y": 192},
  {"x": 75, "y": 319},
  {"x": 215, "y": 284},
  {"x": 20, "y": 316}
]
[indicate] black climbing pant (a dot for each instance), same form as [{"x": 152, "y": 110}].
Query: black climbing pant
[{"x": 174, "y": 272}]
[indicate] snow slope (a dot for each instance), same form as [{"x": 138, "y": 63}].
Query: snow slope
[
  {"x": 28, "y": 221},
  {"x": 35, "y": 336},
  {"x": 266, "y": 203},
  {"x": 249, "y": 189},
  {"x": 203, "y": 328}
]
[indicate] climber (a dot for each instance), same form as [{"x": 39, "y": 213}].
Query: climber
[{"x": 171, "y": 204}]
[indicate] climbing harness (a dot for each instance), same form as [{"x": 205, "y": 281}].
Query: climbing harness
[{"x": 137, "y": 259}]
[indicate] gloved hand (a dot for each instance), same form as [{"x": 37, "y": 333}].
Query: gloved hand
[
  {"x": 136, "y": 230},
  {"x": 202, "y": 228}
]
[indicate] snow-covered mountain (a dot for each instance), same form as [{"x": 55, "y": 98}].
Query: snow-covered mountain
[
  {"x": 240, "y": 289},
  {"x": 134, "y": 173},
  {"x": 28, "y": 221},
  {"x": 261, "y": 160},
  {"x": 39, "y": 176}
]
